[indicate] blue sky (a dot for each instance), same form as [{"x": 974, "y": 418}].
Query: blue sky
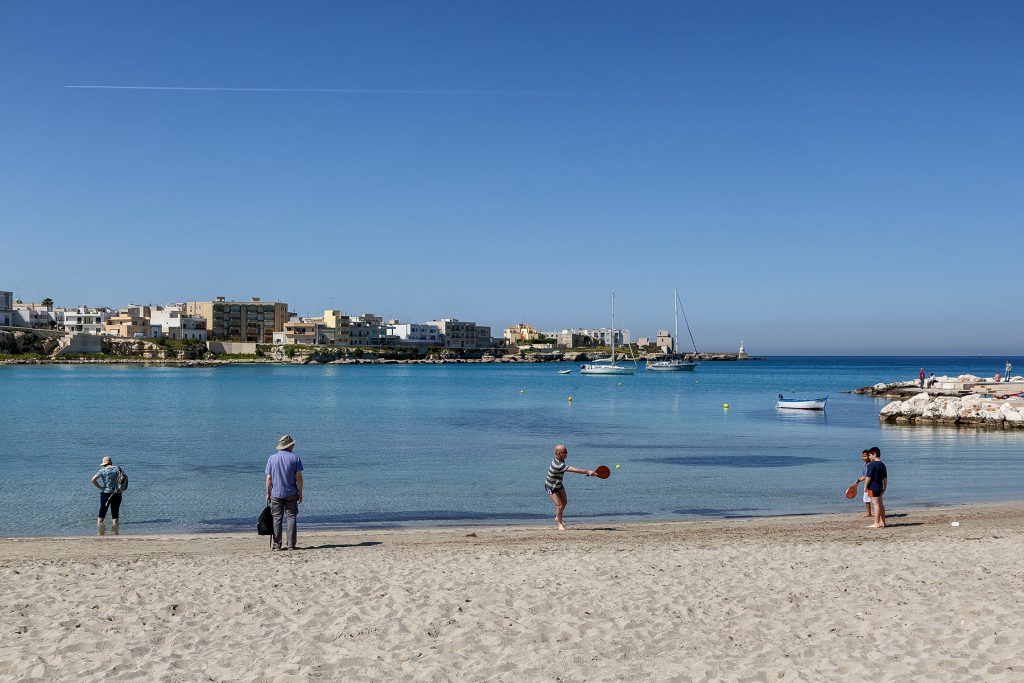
[{"x": 814, "y": 177}]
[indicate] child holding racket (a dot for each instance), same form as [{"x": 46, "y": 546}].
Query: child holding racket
[
  {"x": 866, "y": 457},
  {"x": 553, "y": 483}
]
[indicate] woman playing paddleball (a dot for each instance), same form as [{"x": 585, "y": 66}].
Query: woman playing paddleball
[{"x": 553, "y": 484}]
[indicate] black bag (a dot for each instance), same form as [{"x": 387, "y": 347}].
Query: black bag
[
  {"x": 265, "y": 524},
  {"x": 122, "y": 480}
]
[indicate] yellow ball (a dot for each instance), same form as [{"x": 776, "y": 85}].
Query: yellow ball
[
  {"x": 522, "y": 391},
  {"x": 618, "y": 466},
  {"x": 726, "y": 406},
  {"x": 570, "y": 399}
]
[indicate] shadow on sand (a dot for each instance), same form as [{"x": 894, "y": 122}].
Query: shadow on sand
[{"x": 335, "y": 546}]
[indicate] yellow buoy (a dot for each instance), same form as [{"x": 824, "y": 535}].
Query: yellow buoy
[
  {"x": 522, "y": 391},
  {"x": 726, "y": 406},
  {"x": 570, "y": 399}
]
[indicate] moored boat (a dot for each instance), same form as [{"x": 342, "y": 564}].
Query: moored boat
[
  {"x": 672, "y": 365},
  {"x": 676, "y": 363},
  {"x": 802, "y": 403},
  {"x": 607, "y": 366}
]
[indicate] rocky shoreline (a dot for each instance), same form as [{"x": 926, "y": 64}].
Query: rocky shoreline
[
  {"x": 29, "y": 348},
  {"x": 305, "y": 359},
  {"x": 965, "y": 400}
]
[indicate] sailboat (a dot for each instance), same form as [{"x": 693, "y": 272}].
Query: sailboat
[
  {"x": 607, "y": 366},
  {"x": 675, "y": 364}
]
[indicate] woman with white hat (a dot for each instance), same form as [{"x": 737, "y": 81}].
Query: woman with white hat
[{"x": 108, "y": 480}]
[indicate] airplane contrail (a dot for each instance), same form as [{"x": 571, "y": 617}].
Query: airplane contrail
[{"x": 329, "y": 91}]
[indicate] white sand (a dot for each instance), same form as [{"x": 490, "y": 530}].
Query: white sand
[{"x": 807, "y": 598}]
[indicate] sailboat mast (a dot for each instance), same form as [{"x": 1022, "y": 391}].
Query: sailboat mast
[
  {"x": 675, "y": 314},
  {"x": 613, "y": 327}
]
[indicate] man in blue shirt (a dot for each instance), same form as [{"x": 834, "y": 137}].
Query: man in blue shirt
[
  {"x": 284, "y": 489},
  {"x": 876, "y": 481}
]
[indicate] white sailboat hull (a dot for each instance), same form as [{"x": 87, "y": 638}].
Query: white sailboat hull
[
  {"x": 671, "y": 366},
  {"x": 605, "y": 370}
]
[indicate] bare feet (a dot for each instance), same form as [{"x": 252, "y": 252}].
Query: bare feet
[
  {"x": 877, "y": 526},
  {"x": 561, "y": 526},
  {"x": 867, "y": 514}
]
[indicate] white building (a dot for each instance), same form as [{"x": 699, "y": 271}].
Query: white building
[
  {"x": 32, "y": 315},
  {"x": 603, "y": 336},
  {"x": 414, "y": 333},
  {"x": 85, "y": 319},
  {"x": 175, "y": 324},
  {"x": 6, "y": 308}
]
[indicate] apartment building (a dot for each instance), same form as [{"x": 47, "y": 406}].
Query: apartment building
[
  {"x": 32, "y": 315},
  {"x": 298, "y": 331},
  {"x": 414, "y": 333},
  {"x": 458, "y": 334},
  {"x": 174, "y": 323},
  {"x": 6, "y": 308},
  {"x": 129, "y": 322},
  {"x": 85, "y": 319},
  {"x": 340, "y": 325},
  {"x": 244, "y": 321},
  {"x": 603, "y": 336}
]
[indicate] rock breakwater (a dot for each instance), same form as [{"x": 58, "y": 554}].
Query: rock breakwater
[{"x": 972, "y": 409}]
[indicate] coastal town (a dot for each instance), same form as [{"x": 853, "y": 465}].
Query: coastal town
[{"x": 257, "y": 329}]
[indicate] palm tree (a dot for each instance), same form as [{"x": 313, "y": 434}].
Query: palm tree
[{"x": 48, "y": 302}]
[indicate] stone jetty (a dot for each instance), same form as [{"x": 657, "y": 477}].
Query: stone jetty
[{"x": 962, "y": 400}]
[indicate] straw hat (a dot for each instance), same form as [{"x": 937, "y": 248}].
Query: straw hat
[
  {"x": 284, "y": 442},
  {"x": 106, "y": 461}
]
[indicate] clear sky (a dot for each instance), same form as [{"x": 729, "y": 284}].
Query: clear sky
[{"x": 814, "y": 177}]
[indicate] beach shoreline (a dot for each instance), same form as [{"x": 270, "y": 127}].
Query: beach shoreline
[
  {"x": 776, "y": 598},
  {"x": 640, "y": 522}
]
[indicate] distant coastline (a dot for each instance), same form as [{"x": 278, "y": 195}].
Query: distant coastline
[{"x": 320, "y": 357}]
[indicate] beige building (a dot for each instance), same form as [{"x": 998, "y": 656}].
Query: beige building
[
  {"x": 298, "y": 332},
  {"x": 664, "y": 340},
  {"x": 129, "y": 323},
  {"x": 520, "y": 333},
  {"x": 244, "y": 321},
  {"x": 342, "y": 326}
]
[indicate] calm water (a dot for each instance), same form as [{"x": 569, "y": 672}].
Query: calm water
[{"x": 397, "y": 445}]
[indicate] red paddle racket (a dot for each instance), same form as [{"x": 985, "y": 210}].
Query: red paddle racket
[{"x": 603, "y": 472}]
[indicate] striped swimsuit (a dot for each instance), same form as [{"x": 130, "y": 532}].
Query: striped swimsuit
[{"x": 556, "y": 470}]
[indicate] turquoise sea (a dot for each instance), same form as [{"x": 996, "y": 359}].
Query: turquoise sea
[{"x": 399, "y": 445}]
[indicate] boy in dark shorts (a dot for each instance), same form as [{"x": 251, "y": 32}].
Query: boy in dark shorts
[{"x": 876, "y": 481}]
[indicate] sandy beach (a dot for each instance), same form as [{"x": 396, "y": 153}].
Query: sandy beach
[{"x": 794, "y": 598}]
